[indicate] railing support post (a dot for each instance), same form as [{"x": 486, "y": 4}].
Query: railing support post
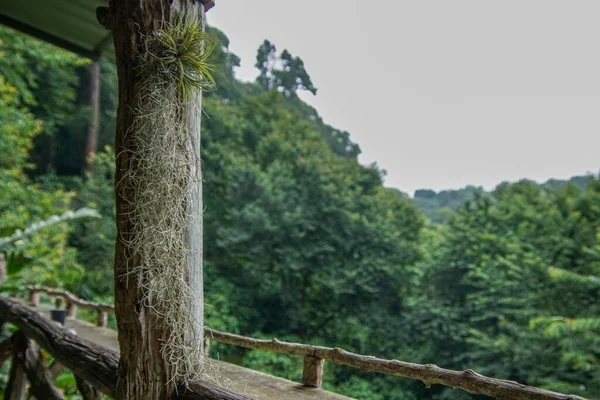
[
  {"x": 101, "y": 319},
  {"x": 34, "y": 298},
  {"x": 206, "y": 345},
  {"x": 71, "y": 309},
  {"x": 312, "y": 375}
]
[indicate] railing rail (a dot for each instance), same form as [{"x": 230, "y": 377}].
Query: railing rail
[
  {"x": 90, "y": 362},
  {"x": 315, "y": 356},
  {"x": 73, "y": 302}
]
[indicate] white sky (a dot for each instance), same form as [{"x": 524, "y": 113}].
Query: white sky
[{"x": 443, "y": 93}]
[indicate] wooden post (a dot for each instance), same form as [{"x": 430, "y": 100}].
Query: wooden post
[
  {"x": 92, "y": 131},
  {"x": 34, "y": 298},
  {"x": 206, "y": 345},
  {"x": 39, "y": 377},
  {"x": 143, "y": 372},
  {"x": 101, "y": 319},
  {"x": 15, "y": 390},
  {"x": 71, "y": 309},
  {"x": 312, "y": 375}
]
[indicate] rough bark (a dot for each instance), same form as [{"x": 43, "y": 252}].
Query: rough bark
[
  {"x": 94, "y": 363},
  {"x": 91, "y": 143},
  {"x": 17, "y": 384},
  {"x": 429, "y": 374},
  {"x": 38, "y": 375}
]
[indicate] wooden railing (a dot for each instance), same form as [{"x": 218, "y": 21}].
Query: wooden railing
[
  {"x": 315, "y": 356},
  {"x": 94, "y": 366},
  {"x": 72, "y": 303}
]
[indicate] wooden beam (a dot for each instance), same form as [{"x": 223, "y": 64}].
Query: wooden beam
[{"x": 94, "y": 363}]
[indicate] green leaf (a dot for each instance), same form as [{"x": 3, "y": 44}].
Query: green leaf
[
  {"x": 16, "y": 261},
  {"x": 8, "y": 230}
]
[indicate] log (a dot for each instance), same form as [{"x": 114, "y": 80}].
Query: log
[
  {"x": 429, "y": 374},
  {"x": 38, "y": 375},
  {"x": 96, "y": 364},
  {"x": 17, "y": 384}
]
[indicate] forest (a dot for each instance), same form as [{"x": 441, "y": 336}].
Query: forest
[{"x": 305, "y": 244}]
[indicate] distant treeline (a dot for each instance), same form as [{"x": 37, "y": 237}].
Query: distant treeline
[{"x": 438, "y": 206}]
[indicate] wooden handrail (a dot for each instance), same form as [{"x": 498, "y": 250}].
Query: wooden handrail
[
  {"x": 314, "y": 357},
  {"x": 429, "y": 374},
  {"x": 71, "y": 298},
  {"x": 72, "y": 303},
  {"x": 90, "y": 361}
]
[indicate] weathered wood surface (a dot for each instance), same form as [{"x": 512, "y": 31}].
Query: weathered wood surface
[
  {"x": 429, "y": 374},
  {"x": 17, "y": 384},
  {"x": 90, "y": 361},
  {"x": 97, "y": 364},
  {"x": 249, "y": 382},
  {"x": 39, "y": 377}
]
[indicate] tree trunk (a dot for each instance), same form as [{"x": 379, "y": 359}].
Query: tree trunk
[
  {"x": 91, "y": 143},
  {"x": 143, "y": 373}
]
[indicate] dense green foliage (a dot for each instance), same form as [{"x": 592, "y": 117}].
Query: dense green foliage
[{"x": 305, "y": 244}]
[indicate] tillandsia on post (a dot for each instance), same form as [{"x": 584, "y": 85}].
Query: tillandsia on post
[{"x": 164, "y": 174}]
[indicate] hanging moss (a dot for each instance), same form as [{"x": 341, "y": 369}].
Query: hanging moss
[{"x": 164, "y": 174}]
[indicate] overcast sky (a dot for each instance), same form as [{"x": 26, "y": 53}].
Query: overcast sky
[{"x": 443, "y": 93}]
